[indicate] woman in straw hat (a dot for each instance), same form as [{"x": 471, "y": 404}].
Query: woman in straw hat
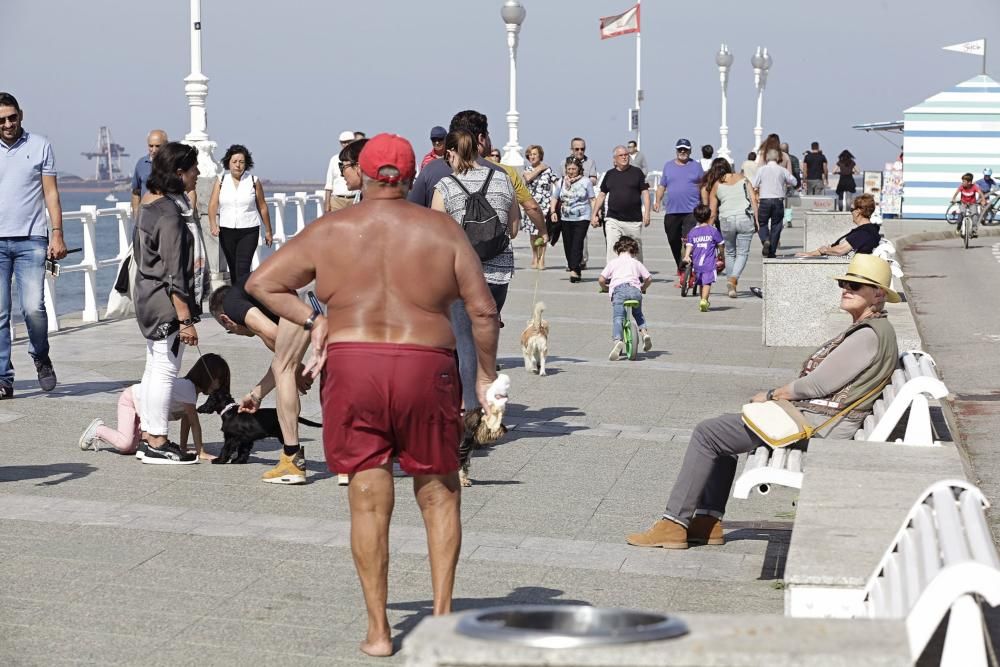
[{"x": 843, "y": 370}]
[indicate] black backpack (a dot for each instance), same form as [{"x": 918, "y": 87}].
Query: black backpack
[{"x": 481, "y": 223}]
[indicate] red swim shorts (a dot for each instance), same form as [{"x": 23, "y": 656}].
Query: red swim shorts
[{"x": 382, "y": 400}]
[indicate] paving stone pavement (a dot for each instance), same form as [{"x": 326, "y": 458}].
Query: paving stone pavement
[{"x": 111, "y": 561}]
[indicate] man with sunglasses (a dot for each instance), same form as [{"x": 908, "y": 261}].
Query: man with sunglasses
[
  {"x": 337, "y": 194},
  {"x": 438, "y": 135},
  {"x": 578, "y": 151},
  {"x": 28, "y": 188},
  {"x": 681, "y": 179}
]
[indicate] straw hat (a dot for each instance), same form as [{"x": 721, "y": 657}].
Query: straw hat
[{"x": 871, "y": 270}]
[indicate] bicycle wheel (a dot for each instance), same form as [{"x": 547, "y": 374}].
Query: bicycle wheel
[
  {"x": 627, "y": 336},
  {"x": 687, "y": 286},
  {"x": 990, "y": 215},
  {"x": 966, "y": 230},
  {"x": 953, "y": 216}
]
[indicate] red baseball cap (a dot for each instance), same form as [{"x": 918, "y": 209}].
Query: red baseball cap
[{"x": 388, "y": 150}]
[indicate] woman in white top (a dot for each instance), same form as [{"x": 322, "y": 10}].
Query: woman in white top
[{"x": 236, "y": 211}]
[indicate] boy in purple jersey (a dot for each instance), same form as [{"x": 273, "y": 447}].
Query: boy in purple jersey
[{"x": 704, "y": 247}]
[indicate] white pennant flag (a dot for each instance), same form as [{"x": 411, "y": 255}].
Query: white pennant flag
[
  {"x": 622, "y": 24},
  {"x": 976, "y": 48}
]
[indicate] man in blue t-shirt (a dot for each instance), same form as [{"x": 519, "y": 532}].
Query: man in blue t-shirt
[
  {"x": 986, "y": 183},
  {"x": 682, "y": 181},
  {"x": 144, "y": 167}
]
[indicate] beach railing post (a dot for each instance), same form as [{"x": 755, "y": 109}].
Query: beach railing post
[
  {"x": 321, "y": 195},
  {"x": 124, "y": 223},
  {"x": 89, "y": 263},
  {"x": 300, "y": 211}
]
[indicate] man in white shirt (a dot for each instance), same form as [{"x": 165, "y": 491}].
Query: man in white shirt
[
  {"x": 770, "y": 182},
  {"x": 337, "y": 194}
]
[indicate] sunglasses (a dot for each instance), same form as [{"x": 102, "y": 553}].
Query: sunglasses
[
  {"x": 683, "y": 150},
  {"x": 345, "y": 165},
  {"x": 13, "y": 118},
  {"x": 579, "y": 150},
  {"x": 851, "y": 285}
]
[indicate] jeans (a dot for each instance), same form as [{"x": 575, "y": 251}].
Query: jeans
[
  {"x": 622, "y": 294},
  {"x": 465, "y": 345},
  {"x": 772, "y": 217},
  {"x": 162, "y": 366},
  {"x": 238, "y": 247},
  {"x": 574, "y": 235},
  {"x": 22, "y": 260},
  {"x": 615, "y": 229},
  {"x": 738, "y": 233}
]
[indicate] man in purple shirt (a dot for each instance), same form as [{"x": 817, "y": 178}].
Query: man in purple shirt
[{"x": 682, "y": 181}]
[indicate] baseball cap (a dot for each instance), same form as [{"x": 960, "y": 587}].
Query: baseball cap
[
  {"x": 438, "y": 132},
  {"x": 388, "y": 150},
  {"x": 682, "y": 143},
  {"x": 346, "y": 135},
  {"x": 987, "y": 172}
]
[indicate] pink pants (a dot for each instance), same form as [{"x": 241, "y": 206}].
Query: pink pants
[{"x": 126, "y": 437}]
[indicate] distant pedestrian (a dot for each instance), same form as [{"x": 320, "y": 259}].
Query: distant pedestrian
[
  {"x": 237, "y": 211},
  {"x": 770, "y": 182},
  {"x": 637, "y": 158},
  {"x": 704, "y": 248},
  {"x": 848, "y": 169},
  {"x": 438, "y": 134},
  {"x": 749, "y": 166},
  {"x": 337, "y": 196},
  {"x": 773, "y": 142},
  {"x": 795, "y": 169},
  {"x": 734, "y": 204},
  {"x": 716, "y": 171},
  {"x": 575, "y": 199},
  {"x": 28, "y": 188},
  {"x": 625, "y": 278},
  {"x": 578, "y": 150},
  {"x": 681, "y": 180},
  {"x": 144, "y": 166},
  {"x": 817, "y": 176},
  {"x": 986, "y": 183},
  {"x": 627, "y": 193},
  {"x": 706, "y": 156},
  {"x": 540, "y": 180}
]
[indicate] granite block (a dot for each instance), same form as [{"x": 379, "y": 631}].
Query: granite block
[
  {"x": 823, "y": 228},
  {"x": 802, "y": 301}
]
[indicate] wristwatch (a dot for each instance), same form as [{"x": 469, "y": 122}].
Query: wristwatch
[{"x": 308, "y": 324}]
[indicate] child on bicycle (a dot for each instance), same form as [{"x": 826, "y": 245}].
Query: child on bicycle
[
  {"x": 971, "y": 197},
  {"x": 626, "y": 278},
  {"x": 209, "y": 374},
  {"x": 704, "y": 248}
]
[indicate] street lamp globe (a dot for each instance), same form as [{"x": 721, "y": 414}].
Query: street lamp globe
[
  {"x": 724, "y": 58},
  {"x": 513, "y": 13},
  {"x": 757, "y": 60},
  {"x": 767, "y": 61}
]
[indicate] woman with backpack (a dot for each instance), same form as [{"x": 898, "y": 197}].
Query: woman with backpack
[{"x": 236, "y": 211}]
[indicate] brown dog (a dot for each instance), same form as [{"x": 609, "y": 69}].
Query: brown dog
[{"x": 535, "y": 341}]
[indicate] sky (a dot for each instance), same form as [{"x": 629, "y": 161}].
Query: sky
[{"x": 286, "y": 77}]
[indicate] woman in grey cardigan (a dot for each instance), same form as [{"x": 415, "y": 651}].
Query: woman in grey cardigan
[{"x": 168, "y": 289}]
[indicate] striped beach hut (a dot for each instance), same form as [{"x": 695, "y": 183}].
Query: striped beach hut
[{"x": 944, "y": 136}]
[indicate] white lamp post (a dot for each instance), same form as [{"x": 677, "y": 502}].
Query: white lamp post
[
  {"x": 724, "y": 59},
  {"x": 513, "y": 16},
  {"x": 196, "y": 89},
  {"x": 761, "y": 62}
]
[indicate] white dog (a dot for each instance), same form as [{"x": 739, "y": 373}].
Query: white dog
[{"x": 535, "y": 341}]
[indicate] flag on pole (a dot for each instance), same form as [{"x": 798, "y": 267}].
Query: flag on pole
[
  {"x": 622, "y": 24},
  {"x": 975, "y": 48}
]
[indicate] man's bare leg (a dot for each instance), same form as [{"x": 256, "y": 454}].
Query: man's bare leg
[
  {"x": 289, "y": 349},
  {"x": 440, "y": 500},
  {"x": 371, "y": 497}
]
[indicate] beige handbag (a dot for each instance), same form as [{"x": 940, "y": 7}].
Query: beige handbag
[{"x": 779, "y": 423}]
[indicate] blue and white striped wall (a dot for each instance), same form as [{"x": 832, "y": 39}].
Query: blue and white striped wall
[{"x": 953, "y": 132}]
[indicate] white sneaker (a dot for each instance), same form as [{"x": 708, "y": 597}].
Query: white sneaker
[
  {"x": 647, "y": 342},
  {"x": 616, "y": 351},
  {"x": 90, "y": 434}
]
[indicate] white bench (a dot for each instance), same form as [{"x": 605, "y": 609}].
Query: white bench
[
  {"x": 942, "y": 559},
  {"x": 911, "y": 384}
]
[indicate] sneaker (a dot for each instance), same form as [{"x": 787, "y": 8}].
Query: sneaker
[
  {"x": 664, "y": 533},
  {"x": 975, "y": 234},
  {"x": 46, "y": 374},
  {"x": 6, "y": 391},
  {"x": 90, "y": 434},
  {"x": 343, "y": 479},
  {"x": 765, "y": 249},
  {"x": 290, "y": 469},
  {"x": 140, "y": 451},
  {"x": 757, "y": 292},
  {"x": 703, "y": 305},
  {"x": 169, "y": 454},
  {"x": 616, "y": 351},
  {"x": 647, "y": 342}
]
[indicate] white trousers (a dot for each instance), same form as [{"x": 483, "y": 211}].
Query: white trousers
[
  {"x": 615, "y": 229},
  {"x": 158, "y": 378}
]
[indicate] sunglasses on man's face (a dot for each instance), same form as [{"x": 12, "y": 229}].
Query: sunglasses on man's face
[
  {"x": 579, "y": 149},
  {"x": 683, "y": 150},
  {"x": 13, "y": 118},
  {"x": 850, "y": 285},
  {"x": 345, "y": 165}
]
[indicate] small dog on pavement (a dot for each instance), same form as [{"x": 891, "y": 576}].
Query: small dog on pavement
[
  {"x": 535, "y": 341},
  {"x": 241, "y": 430},
  {"x": 483, "y": 428}
]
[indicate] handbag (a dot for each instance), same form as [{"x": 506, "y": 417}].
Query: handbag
[
  {"x": 779, "y": 423},
  {"x": 749, "y": 208}
]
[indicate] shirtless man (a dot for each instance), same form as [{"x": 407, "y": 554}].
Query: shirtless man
[{"x": 387, "y": 356}]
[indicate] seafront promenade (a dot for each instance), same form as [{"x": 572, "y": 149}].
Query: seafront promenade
[{"x": 111, "y": 561}]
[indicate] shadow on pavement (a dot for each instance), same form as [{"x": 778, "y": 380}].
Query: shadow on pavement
[
  {"x": 778, "y": 539},
  {"x": 68, "y": 389},
  {"x": 520, "y": 595},
  {"x": 70, "y": 472}
]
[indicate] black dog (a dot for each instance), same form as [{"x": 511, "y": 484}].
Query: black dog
[{"x": 242, "y": 429}]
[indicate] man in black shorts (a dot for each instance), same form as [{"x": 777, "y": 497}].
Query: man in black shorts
[{"x": 241, "y": 314}]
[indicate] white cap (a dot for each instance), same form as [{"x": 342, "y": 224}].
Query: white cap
[{"x": 346, "y": 135}]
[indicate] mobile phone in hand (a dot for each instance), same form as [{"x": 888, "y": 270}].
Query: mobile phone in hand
[{"x": 52, "y": 266}]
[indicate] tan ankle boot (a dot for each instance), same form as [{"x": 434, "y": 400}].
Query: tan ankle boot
[
  {"x": 705, "y": 529},
  {"x": 664, "y": 533},
  {"x": 732, "y": 287}
]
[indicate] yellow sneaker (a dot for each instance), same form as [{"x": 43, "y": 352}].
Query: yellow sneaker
[{"x": 290, "y": 469}]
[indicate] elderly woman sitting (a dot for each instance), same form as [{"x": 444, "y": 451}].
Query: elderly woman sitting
[
  {"x": 841, "y": 371},
  {"x": 864, "y": 238}
]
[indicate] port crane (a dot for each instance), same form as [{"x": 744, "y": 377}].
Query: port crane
[{"x": 109, "y": 157}]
